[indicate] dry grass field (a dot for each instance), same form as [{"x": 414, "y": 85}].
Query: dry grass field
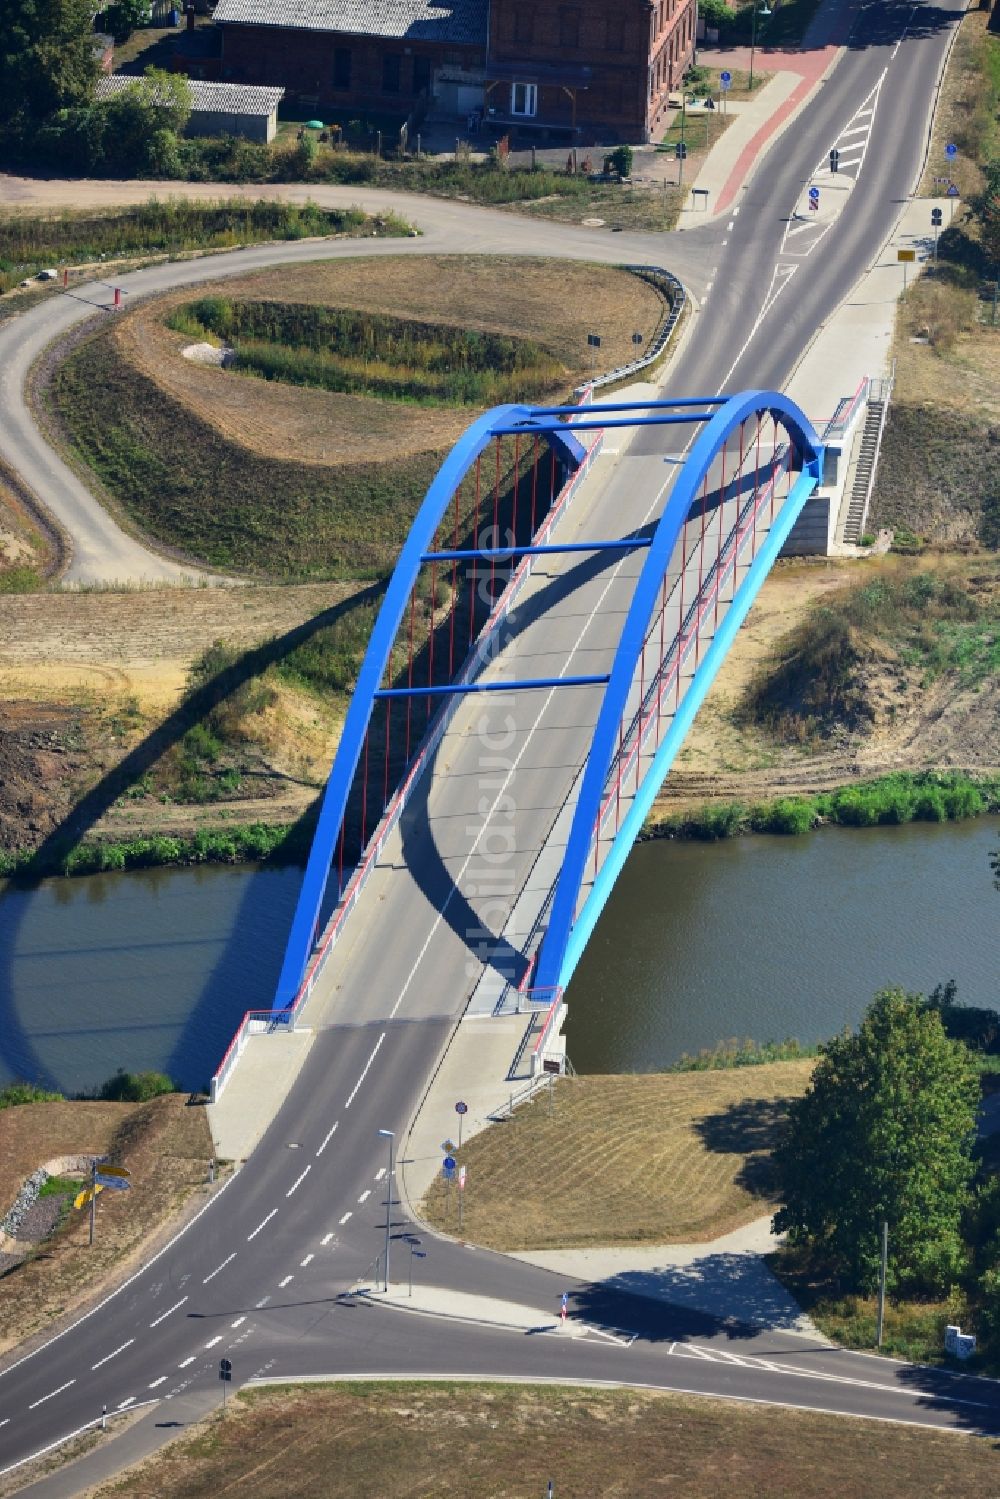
[
  {"x": 166, "y": 1145},
  {"x": 656, "y": 1159},
  {"x": 442, "y": 1441},
  {"x": 556, "y": 305}
]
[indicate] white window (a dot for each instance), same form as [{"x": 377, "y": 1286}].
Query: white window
[{"x": 524, "y": 99}]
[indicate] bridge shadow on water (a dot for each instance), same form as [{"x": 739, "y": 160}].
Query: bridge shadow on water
[{"x": 232, "y": 984}]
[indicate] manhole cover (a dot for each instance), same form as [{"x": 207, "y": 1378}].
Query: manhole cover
[{"x": 594, "y": 223}]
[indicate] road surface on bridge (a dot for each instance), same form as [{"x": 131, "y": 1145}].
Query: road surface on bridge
[{"x": 259, "y": 1275}]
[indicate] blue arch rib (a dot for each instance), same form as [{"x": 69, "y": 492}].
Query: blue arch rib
[
  {"x": 474, "y": 440},
  {"x": 565, "y": 939}
]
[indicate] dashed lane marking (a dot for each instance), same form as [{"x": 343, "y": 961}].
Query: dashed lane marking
[
  {"x": 108, "y": 1356},
  {"x": 215, "y": 1272},
  {"x": 283, "y": 1283},
  {"x": 239, "y": 1322},
  {"x": 380, "y": 1173},
  {"x": 263, "y": 1301},
  {"x": 163, "y": 1315},
  {"x": 212, "y": 1341},
  {"x": 298, "y": 1181},
  {"x": 344, "y": 1219},
  {"x": 262, "y": 1224},
  {"x": 126, "y": 1403},
  {"x": 364, "y": 1073},
  {"x": 365, "y": 1195},
  {"x": 326, "y": 1239},
  {"x": 187, "y": 1361},
  {"x": 51, "y": 1395},
  {"x": 303, "y": 1263},
  {"x": 162, "y": 1380},
  {"x": 327, "y": 1138}
]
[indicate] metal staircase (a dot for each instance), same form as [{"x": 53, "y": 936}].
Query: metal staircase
[{"x": 879, "y": 392}]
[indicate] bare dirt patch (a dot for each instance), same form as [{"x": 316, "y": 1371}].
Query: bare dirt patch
[
  {"x": 165, "y": 1144},
  {"x": 659, "y": 1159},
  {"x": 400, "y": 1440}
]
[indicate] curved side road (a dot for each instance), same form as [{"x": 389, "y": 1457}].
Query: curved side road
[{"x": 103, "y": 552}]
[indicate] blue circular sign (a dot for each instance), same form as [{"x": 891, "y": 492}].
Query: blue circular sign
[
  {"x": 461, "y": 1108},
  {"x": 449, "y": 1163},
  {"x": 726, "y": 79},
  {"x": 814, "y": 194},
  {"x": 950, "y": 149}
]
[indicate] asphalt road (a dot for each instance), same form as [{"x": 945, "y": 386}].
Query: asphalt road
[{"x": 260, "y": 1276}]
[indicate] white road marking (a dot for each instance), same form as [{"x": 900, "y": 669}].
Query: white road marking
[
  {"x": 735, "y": 212},
  {"x": 326, "y": 1239},
  {"x": 52, "y": 1394},
  {"x": 212, "y": 1341},
  {"x": 302, "y": 1265},
  {"x": 708, "y": 288},
  {"x": 263, "y": 1301},
  {"x": 126, "y": 1403},
  {"x": 108, "y": 1356},
  {"x": 327, "y": 1138},
  {"x": 262, "y": 1224},
  {"x": 364, "y": 1074},
  {"x": 162, "y": 1380},
  {"x": 729, "y": 227},
  {"x": 380, "y": 1173},
  {"x": 170, "y": 1309},
  {"x": 283, "y": 1283},
  {"x": 187, "y": 1361},
  {"x": 365, "y": 1195},
  {"x": 239, "y": 1322},
  {"x": 298, "y": 1181},
  {"x": 5, "y": 1421},
  {"x": 215, "y": 1272},
  {"x": 725, "y": 243},
  {"x": 344, "y": 1219}
]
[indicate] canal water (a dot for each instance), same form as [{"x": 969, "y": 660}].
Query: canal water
[{"x": 760, "y": 937}]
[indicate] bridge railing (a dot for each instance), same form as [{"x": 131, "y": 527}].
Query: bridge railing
[
  {"x": 254, "y": 1023},
  {"x": 846, "y": 414},
  {"x": 432, "y": 738}
]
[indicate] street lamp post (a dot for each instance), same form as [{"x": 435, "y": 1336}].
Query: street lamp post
[
  {"x": 764, "y": 11},
  {"x": 390, "y": 1135}
]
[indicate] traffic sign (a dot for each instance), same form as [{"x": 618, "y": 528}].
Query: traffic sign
[
  {"x": 103, "y": 1170},
  {"x": 463, "y": 1108},
  {"x": 951, "y": 151},
  {"x": 447, "y": 1146},
  {"x": 834, "y": 160},
  {"x": 225, "y": 1369},
  {"x": 681, "y": 151},
  {"x": 115, "y": 1183},
  {"x": 937, "y": 218},
  {"x": 449, "y": 1163},
  {"x": 637, "y": 339},
  {"x": 814, "y": 195},
  {"x": 726, "y": 79},
  {"x": 82, "y": 1198},
  {"x": 952, "y": 191},
  {"x": 594, "y": 342},
  {"x": 906, "y": 256}
]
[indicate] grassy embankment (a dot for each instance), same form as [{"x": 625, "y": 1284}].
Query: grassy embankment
[
  {"x": 165, "y": 1144},
  {"x": 658, "y": 1159},
  {"x": 32, "y": 242},
  {"x": 936, "y": 480},
  {"x": 403, "y": 1438}
]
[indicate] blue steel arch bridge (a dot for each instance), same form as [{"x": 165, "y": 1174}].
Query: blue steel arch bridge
[{"x": 503, "y": 538}]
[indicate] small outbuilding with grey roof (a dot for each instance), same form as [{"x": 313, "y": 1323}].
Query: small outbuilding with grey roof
[
  {"x": 217, "y": 108},
  {"x": 388, "y": 55}
]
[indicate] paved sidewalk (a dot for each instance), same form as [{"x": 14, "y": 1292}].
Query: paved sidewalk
[{"x": 726, "y": 1278}]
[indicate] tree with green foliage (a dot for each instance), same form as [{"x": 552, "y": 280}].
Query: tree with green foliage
[
  {"x": 885, "y": 1132},
  {"x": 47, "y": 58},
  {"x": 144, "y": 121},
  {"x": 125, "y": 15},
  {"x": 20, "y": 1093},
  {"x": 985, "y": 208}
]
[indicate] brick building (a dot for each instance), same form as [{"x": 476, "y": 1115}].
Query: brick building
[
  {"x": 596, "y": 66},
  {"x": 587, "y": 70}
]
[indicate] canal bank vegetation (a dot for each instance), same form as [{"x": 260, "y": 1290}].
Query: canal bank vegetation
[
  {"x": 923, "y": 796},
  {"x": 165, "y": 1143},
  {"x": 461, "y": 1440}
]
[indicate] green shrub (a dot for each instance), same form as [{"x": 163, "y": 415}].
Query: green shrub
[
  {"x": 135, "y": 1087},
  {"x": 18, "y": 1093}
]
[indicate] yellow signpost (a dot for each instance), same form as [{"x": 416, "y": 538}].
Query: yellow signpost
[
  {"x": 82, "y": 1198},
  {"x": 906, "y": 257}
]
